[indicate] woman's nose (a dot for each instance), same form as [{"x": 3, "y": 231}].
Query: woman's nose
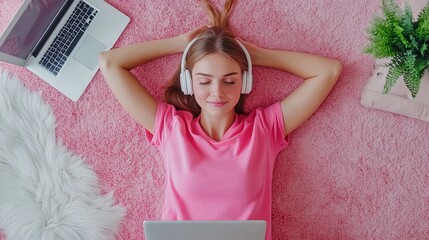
[{"x": 217, "y": 90}]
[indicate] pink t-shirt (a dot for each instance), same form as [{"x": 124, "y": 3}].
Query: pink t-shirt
[{"x": 230, "y": 179}]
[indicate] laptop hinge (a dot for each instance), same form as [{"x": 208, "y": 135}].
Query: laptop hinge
[{"x": 51, "y": 27}]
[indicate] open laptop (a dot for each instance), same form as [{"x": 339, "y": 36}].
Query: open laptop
[
  {"x": 59, "y": 40},
  {"x": 205, "y": 230}
]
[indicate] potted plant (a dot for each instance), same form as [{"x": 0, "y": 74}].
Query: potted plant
[{"x": 403, "y": 41}]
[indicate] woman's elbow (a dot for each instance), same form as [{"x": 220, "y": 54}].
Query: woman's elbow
[
  {"x": 335, "y": 69},
  {"x": 104, "y": 60}
]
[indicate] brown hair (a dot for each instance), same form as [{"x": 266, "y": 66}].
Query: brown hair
[{"x": 216, "y": 39}]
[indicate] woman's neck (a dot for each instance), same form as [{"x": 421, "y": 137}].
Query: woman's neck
[{"x": 216, "y": 127}]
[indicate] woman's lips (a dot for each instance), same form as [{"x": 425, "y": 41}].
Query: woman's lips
[{"x": 218, "y": 104}]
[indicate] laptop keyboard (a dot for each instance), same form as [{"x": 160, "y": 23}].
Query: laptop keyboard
[{"x": 69, "y": 35}]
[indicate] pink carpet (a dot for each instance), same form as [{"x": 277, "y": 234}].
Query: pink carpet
[{"x": 349, "y": 172}]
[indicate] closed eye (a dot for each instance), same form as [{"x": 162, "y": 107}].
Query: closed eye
[
  {"x": 204, "y": 81},
  {"x": 206, "y": 78}
]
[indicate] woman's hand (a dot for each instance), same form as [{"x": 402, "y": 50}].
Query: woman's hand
[
  {"x": 185, "y": 38},
  {"x": 253, "y": 50}
]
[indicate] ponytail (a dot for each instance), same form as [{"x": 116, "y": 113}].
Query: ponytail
[{"x": 217, "y": 18}]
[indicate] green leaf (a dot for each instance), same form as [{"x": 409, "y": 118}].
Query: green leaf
[
  {"x": 407, "y": 25},
  {"x": 423, "y": 49},
  {"x": 421, "y": 63},
  {"x": 392, "y": 11},
  {"x": 414, "y": 43},
  {"x": 395, "y": 71},
  {"x": 422, "y": 23},
  {"x": 412, "y": 75},
  {"x": 399, "y": 33},
  {"x": 407, "y": 20},
  {"x": 412, "y": 81},
  {"x": 381, "y": 37}
]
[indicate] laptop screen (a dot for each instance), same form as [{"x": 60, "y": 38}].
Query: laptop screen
[{"x": 28, "y": 27}]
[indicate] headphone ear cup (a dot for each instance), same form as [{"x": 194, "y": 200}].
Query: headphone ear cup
[
  {"x": 188, "y": 81},
  {"x": 244, "y": 86},
  {"x": 183, "y": 83},
  {"x": 247, "y": 83}
]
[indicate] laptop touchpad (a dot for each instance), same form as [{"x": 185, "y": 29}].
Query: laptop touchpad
[{"x": 88, "y": 52}]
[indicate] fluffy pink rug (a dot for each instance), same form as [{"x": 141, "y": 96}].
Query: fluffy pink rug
[{"x": 348, "y": 173}]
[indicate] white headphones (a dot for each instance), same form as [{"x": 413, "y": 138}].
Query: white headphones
[{"x": 186, "y": 79}]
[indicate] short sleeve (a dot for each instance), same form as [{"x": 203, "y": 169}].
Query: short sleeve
[
  {"x": 166, "y": 121},
  {"x": 163, "y": 124},
  {"x": 271, "y": 119}
]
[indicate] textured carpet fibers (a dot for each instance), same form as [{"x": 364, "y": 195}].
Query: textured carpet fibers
[{"x": 349, "y": 172}]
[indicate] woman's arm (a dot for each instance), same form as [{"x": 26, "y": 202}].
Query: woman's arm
[
  {"x": 320, "y": 75},
  {"x": 116, "y": 64}
]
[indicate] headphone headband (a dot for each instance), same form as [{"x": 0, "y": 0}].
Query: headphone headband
[
  {"x": 249, "y": 60},
  {"x": 185, "y": 53}
]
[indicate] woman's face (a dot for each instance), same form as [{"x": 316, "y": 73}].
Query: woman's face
[{"x": 216, "y": 82}]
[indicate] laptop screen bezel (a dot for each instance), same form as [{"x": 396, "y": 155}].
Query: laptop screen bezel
[{"x": 7, "y": 57}]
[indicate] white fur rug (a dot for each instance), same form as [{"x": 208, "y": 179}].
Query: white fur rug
[{"x": 46, "y": 192}]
